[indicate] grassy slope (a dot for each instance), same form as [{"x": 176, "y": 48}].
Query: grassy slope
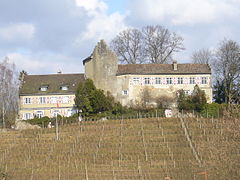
[{"x": 121, "y": 149}]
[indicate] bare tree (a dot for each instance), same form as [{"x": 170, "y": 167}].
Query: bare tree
[
  {"x": 9, "y": 84},
  {"x": 160, "y": 44},
  {"x": 128, "y": 46},
  {"x": 227, "y": 67},
  {"x": 21, "y": 77},
  {"x": 146, "y": 98},
  {"x": 153, "y": 44},
  {"x": 202, "y": 56},
  {"x": 165, "y": 102}
]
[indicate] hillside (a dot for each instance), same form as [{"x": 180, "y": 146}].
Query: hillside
[{"x": 153, "y": 148}]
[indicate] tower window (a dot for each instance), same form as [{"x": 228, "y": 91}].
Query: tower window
[{"x": 125, "y": 92}]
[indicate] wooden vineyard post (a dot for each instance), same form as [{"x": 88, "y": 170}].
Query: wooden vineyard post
[
  {"x": 113, "y": 172},
  {"x": 59, "y": 169},
  {"x": 86, "y": 171},
  {"x": 121, "y": 129},
  {"x": 57, "y": 136},
  {"x": 140, "y": 170},
  {"x": 143, "y": 140},
  {"x": 32, "y": 174},
  {"x": 100, "y": 140}
]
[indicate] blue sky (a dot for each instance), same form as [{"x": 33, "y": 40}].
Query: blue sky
[
  {"x": 46, "y": 36},
  {"x": 116, "y": 5}
]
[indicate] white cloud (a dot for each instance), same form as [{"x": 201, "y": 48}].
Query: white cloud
[
  {"x": 101, "y": 24},
  {"x": 92, "y": 6},
  {"x": 42, "y": 64},
  {"x": 104, "y": 27},
  {"x": 185, "y": 11},
  {"x": 15, "y": 32}
]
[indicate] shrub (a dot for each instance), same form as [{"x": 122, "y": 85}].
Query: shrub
[
  {"x": 212, "y": 110},
  {"x": 196, "y": 101},
  {"x": 43, "y": 122},
  {"x": 184, "y": 101}
]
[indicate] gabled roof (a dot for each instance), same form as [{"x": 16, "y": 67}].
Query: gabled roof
[
  {"x": 32, "y": 84},
  {"x": 145, "y": 69}
]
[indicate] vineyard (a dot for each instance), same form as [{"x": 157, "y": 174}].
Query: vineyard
[{"x": 142, "y": 148}]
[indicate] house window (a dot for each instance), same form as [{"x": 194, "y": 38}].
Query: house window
[
  {"x": 135, "y": 80},
  {"x": 53, "y": 100},
  {"x": 27, "y": 101},
  {"x": 125, "y": 92},
  {"x": 169, "y": 80},
  {"x": 192, "y": 80},
  {"x": 55, "y": 113},
  {"x": 42, "y": 100},
  {"x": 180, "y": 80},
  {"x": 39, "y": 114},
  {"x": 146, "y": 80},
  {"x": 27, "y": 116},
  {"x": 158, "y": 80},
  {"x": 65, "y": 99},
  {"x": 64, "y": 88},
  {"x": 44, "y": 88},
  {"x": 204, "y": 80}
]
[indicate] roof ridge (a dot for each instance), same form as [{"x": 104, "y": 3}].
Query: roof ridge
[
  {"x": 185, "y": 68},
  {"x": 55, "y": 74}
]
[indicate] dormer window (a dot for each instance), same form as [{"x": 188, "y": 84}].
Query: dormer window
[
  {"x": 43, "y": 88},
  {"x": 64, "y": 88}
]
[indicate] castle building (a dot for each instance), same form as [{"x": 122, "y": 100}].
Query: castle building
[{"x": 130, "y": 84}]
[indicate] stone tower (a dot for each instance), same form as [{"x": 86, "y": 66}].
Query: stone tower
[{"x": 102, "y": 67}]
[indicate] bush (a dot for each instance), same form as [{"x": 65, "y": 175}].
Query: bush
[
  {"x": 184, "y": 101},
  {"x": 212, "y": 110},
  {"x": 196, "y": 101},
  {"x": 43, "y": 122}
]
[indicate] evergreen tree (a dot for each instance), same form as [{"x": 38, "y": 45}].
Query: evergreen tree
[
  {"x": 90, "y": 100},
  {"x": 84, "y": 95},
  {"x": 198, "y": 98},
  {"x": 218, "y": 92}
]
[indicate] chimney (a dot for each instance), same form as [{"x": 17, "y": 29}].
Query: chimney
[{"x": 175, "y": 65}]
